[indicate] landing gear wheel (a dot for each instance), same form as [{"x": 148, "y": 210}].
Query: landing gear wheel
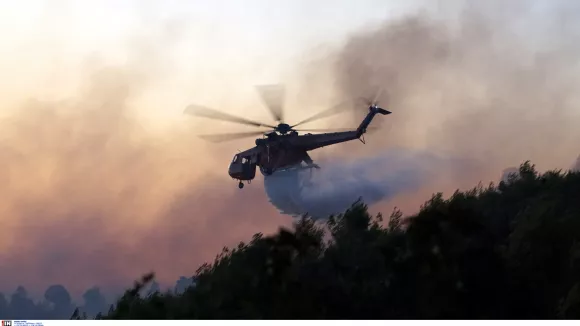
[{"x": 240, "y": 185}]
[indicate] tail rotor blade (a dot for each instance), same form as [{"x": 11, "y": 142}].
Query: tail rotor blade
[
  {"x": 219, "y": 138},
  {"x": 273, "y": 97},
  {"x": 376, "y": 98},
  {"x": 205, "y": 112}
]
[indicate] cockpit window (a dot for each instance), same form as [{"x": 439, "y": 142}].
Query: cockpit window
[{"x": 235, "y": 158}]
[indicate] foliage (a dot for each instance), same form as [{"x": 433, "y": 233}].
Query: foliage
[
  {"x": 500, "y": 252},
  {"x": 57, "y": 304}
]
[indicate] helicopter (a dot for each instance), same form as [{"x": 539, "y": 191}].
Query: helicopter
[{"x": 281, "y": 148}]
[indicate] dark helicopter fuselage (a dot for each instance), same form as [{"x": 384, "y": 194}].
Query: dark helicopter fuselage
[{"x": 286, "y": 149}]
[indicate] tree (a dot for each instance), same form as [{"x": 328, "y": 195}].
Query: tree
[{"x": 497, "y": 252}]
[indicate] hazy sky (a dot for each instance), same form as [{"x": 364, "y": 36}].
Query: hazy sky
[
  {"x": 226, "y": 46},
  {"x": 89, "y": 189},
  {"x": 102, "y": 176}
]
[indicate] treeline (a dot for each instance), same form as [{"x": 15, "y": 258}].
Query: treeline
[
  {"x": 503, "y": 251},
  {"x": 58, "y": 304}
]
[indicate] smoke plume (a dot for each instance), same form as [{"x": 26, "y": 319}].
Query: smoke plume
[
  {"x": 91, "y": 195},
  {"x": 576, "y": 166},
  {"x": 339, "y": 182},
  {"x": 505, "y": 176},
  {"x": 493, "y": 83}
]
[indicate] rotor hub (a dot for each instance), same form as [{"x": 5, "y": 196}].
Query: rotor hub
[{"x": 283, "y": 128}]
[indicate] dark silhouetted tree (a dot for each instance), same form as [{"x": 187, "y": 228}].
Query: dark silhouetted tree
[
  {"x": 94, "y": 302},
  {"x": 60, "y": 300},
  {"x": 505, "y": 251},
  {"x": 3, "y": 305}
]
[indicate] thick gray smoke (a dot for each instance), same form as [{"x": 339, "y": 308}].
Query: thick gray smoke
[
  {"x": 494, "y": 82},
  {"x": 506, "y": 173},
  {"x": 515, "y": 170},
  {"x": 576, "y": 166},
  {"x": 338, "y": 184}
]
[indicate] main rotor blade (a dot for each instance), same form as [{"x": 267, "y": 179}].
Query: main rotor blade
[
  {"x": 334, "y": 129},
  {"x": 273, "y": 98},
  {"x": 205, "y": 112},
  {"x": 343, "y": 106},
  {"x": 219, "y": 138},
  {"x": 327, "y": 130}
]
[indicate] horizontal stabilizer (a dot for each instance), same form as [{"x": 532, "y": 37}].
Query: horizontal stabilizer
[{"x": 380, "y": 110}]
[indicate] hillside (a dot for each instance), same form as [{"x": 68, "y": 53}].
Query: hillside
[{"x": 505, "y": 251}]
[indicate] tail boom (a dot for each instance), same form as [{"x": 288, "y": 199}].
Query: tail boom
[{"x": 373, "y": 110}]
